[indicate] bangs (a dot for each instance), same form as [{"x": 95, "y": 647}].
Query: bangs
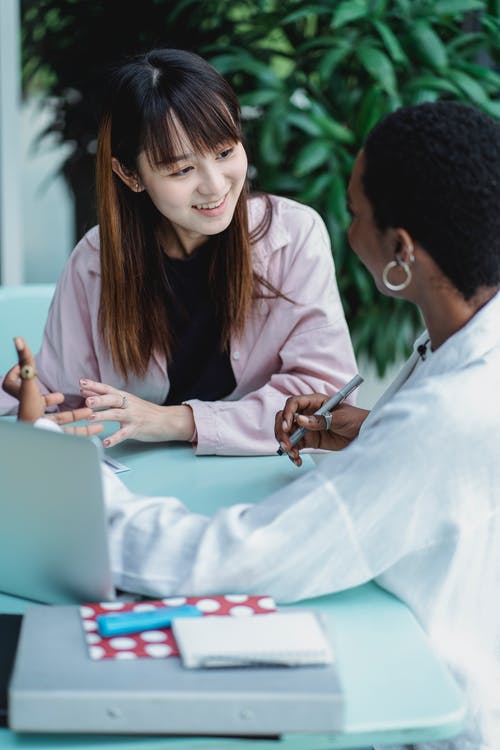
[{"x": 202, "y": 126}]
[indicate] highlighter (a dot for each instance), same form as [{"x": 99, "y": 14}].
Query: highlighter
[{"x": 133, "y": 622}]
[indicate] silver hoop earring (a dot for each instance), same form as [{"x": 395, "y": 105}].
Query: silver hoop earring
[{"x": 396, "y": 264}]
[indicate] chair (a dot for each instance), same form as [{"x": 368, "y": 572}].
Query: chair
[{"x": 23, "y": 312}]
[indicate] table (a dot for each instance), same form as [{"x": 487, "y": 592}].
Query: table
[{"x": 396, "y": 690}]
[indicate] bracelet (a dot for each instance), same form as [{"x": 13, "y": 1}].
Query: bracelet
[{"x": 28, "y": 372}]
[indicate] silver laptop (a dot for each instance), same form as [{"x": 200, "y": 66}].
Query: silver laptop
[{"x": 53, "y": 543}]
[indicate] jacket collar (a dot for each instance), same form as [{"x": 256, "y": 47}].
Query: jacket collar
[
  {"x": 475, "y": 339},
  {"x": 278, "y": 234}
]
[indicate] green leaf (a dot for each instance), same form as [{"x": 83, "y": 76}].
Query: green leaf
[
  {"x": 331, "y": 59},
  {"x": 483, "y": 75},
  {"x": 391, "y": 42},
  {"x": 319, "y": 42},
  {"x": 304, "y": 123},
  {"x": 232, "y": 63},
  {"x": 316, "y": 187},
  {"x": 492, "y": 108},
  {"x": 269, "y": 143},
  {"x": 429, "y": 46},
  {"x": 258, "y": 98},
  {"x": 349, "y": 10},
  {"x": 337, "y": 197},
  {"x": 309, "y": 10},
  {"x": 404, "y": 8},
  {"x": 331, "y": 127},
  {"x": 470, "y": 87},
  {"x": 433, "y": 83},
  {"x": 370, "y": 110},
  {"x": 454, "y": 7},
  {"x": 378, "y": 66},
  {"x": 423, "y": 95},
  {"x": 314, "y": 154}
]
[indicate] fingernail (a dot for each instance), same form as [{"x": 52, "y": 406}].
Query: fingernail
[
  {"x": 107, "y": 442},
  {"x": 19, "y": 344},
  {"x": 83, "y": 382},
  {"x": 92, "y": 416},
  {"x": 284, "y": 425},
  {"x": 90, "y": 402}
]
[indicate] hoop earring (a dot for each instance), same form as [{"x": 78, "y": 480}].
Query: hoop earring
[
  {"x": 396, "y": 264},
  {"x": 137, "y": 186}
]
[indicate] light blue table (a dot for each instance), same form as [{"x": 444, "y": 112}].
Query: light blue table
[{"x": 396, "y": 690}]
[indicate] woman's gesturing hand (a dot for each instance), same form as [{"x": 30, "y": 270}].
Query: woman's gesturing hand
[
  {"x": 139, "y": 419},
  {"x": 299, "y": 412}
]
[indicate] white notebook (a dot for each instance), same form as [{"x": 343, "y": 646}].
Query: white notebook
[{"x": 277, "y": 639}]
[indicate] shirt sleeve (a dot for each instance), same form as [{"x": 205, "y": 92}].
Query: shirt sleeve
[
  {"x": 304, "y": 346},
  {"x": 361, "y": 511},
  {"x": 68, "y": 352}
]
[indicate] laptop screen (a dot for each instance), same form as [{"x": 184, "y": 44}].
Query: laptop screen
[{"x": 53, "y": 542}]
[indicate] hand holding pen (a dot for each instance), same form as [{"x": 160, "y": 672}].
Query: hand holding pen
[{"x": 318, "y": 425}]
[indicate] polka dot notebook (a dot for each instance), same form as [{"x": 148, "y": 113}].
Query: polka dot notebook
[{"x": 160, "y": 643}]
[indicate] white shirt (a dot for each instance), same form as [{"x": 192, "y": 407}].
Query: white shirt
[{"x": 413, "y": 502}]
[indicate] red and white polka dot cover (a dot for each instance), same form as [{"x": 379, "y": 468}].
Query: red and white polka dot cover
[{"x": 160, "y": 643}]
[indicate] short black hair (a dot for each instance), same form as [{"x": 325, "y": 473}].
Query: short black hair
[{"x": 434, "y": 170}]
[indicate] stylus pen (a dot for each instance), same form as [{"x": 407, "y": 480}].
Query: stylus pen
[
  {"x": 134, "y": 622},
  {"x": 327, "y": 406}
]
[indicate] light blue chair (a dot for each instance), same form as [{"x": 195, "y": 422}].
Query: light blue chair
[{"x": 23, "y": 312}]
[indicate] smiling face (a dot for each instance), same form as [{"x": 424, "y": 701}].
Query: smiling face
[{"x": 198, "y": 192}]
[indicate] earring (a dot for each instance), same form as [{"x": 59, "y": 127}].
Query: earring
[
  {"x": 137, "y": 186},
  {"x": 398, "y": 264}
]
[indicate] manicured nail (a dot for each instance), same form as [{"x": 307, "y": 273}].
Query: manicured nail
[
  {"x": 92, "y": 416},
  {"x": 284, "y": 425},
  {"x": 84, "y": 382},
  {"x": 19, "y": 344},
  {"x": 107, "y": 442}
]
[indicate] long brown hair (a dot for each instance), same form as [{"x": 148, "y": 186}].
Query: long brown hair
[{"x": 151, "y": 98}]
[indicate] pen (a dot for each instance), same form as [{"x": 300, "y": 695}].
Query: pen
[
  {"x": 134, "y": 622},
  {"x": 327, "y": 406}
]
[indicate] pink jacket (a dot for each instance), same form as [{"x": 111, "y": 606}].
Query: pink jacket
[{"x": 285, "y": 348}]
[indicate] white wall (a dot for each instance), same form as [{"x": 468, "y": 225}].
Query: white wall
[
  {"x": 47, "y": 204},
  {"x": 374, "y": 386}
]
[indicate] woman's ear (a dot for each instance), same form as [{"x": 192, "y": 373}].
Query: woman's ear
[
  {"x": 131, "y": 179},
  {"x": 404, "y": 246}
]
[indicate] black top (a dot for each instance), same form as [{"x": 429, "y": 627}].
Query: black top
[{"x": 199, "y": 368}]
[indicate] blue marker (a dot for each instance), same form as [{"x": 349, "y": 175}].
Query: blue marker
[{"x": 134, "y": 622}]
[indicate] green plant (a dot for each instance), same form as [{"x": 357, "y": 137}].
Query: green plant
[
  {"x": 317, "y": 76},
  {"x": 313, "y": 78}
]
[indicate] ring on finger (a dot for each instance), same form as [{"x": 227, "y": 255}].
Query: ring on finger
[
  {"x": 27, "y": 372},
  {"x": 328, "y": 419},
  {"x": 124, "y": 402}
]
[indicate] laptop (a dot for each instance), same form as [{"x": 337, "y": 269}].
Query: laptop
[{"x": 53, "y": 542}]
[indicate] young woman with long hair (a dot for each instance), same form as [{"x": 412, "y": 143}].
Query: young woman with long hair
[{"x": 193, "y": 309}]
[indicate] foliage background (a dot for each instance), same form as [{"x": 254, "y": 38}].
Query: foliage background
[{"x": 313, "y": 77}]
